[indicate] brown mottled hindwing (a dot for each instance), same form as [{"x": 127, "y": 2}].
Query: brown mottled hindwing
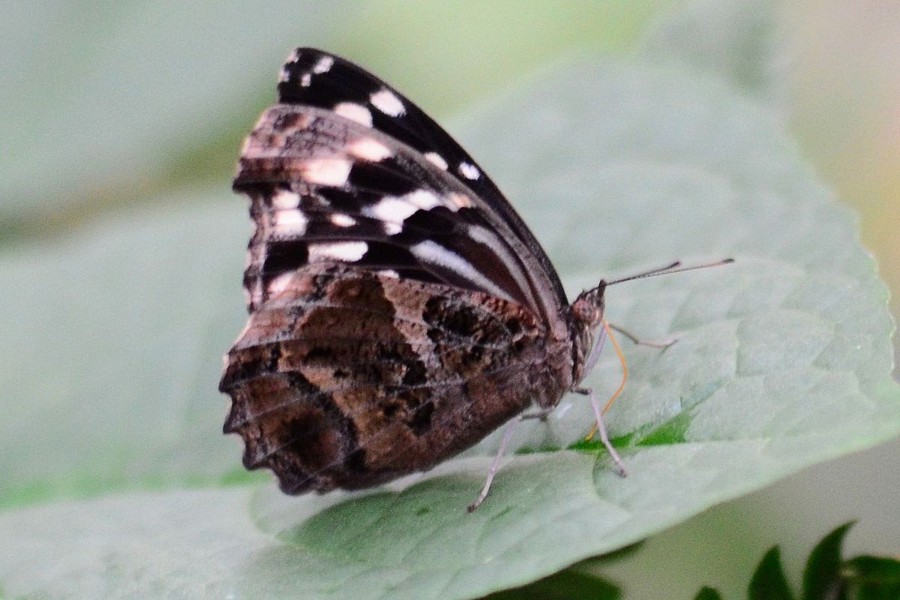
[{"x": 348, "y": 378}]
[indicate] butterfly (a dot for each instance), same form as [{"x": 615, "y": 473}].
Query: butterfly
[{"x": 400, "y": 309}]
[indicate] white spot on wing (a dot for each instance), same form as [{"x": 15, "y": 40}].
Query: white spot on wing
[
  {"x": 437, "y": 160},
  {"x": 389, "y": 273},
  {"x": 458, "y": 201},
  {"x": 492, "y": 241},
  {"x": 483, "y": 236},
  {"x": 280, "y": 284},
  {"x": 342, "y": 220},
  {"x": 387, "y": 102},
  {"x": 285, "y": 74},
  {"x": 323, "y": 65},
  {"x": 431, "y": 252},
  {"x": 354, "y": 112},
  {"x": 256, "y": 294},
  {"x": 285, "y": 200},
  {"x": 369, "y": 149},
  {"x": 424, "y": 199},
  {"x": 290, "y": 222},
  {"x": 326, "y": 171},
  {"x": 340, "y": 251},
  {"x": 391, "y": 208},
  {"x": 305, "y": 80},
  {"x": 469, "y": 171}
]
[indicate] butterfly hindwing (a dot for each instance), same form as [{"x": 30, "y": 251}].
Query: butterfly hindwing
[{"x": 346, "y": 378}]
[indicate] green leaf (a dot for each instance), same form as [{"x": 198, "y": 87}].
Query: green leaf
[
  {"x": 769, "y": 582},
  {"x": 827, "y": 577},
  {"x": 822, "y": 576},
  {"x": 783, "y": 360},
  {"x": 187, "y": 544},
  {"x": 118, "y": 331},
  {"x": 733, "y": 39},
  {"x": 708, "y": 593},
  {"x": 562, "y": 586},
  {"x": 872, "y": 578}
]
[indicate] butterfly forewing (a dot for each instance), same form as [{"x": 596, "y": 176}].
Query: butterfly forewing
[
  {"x": 362, "y": 188},
  {"x": 315, "y": 78}
]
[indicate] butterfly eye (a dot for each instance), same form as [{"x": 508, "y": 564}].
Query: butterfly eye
[{"x": 588, "y": 307}]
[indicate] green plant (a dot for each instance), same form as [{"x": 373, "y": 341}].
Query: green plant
[{"x": 827, "y": 576}]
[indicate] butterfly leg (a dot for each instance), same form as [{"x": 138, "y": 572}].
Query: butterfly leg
[
  {"x": 495, "y": 465},
  {"x": 640, "y": 342},
  {"x": 601, "y": 429},
  {"x": 541, "y": 413}
]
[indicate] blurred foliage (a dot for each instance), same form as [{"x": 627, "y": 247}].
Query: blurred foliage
[{"x": 827, "y": 575}]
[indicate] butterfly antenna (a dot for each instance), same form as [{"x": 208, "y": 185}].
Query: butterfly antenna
[{"x": 674, "y": 267}]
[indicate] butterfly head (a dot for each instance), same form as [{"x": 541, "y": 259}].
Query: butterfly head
[
  {"x": 585, "y": 319},
  {"x": 586, "y": 314},
  {"x": 587, "y": 310}
]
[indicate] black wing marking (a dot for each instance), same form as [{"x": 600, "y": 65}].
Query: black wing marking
[
  {"x": 325, "y": 186},
  {"x": 315, "y": 78}
]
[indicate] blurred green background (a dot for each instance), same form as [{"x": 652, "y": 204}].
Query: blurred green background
[{"x": 106, "y": 105}]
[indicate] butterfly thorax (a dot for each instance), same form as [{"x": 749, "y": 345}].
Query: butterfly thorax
[{"x": 585, "y": 316}]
